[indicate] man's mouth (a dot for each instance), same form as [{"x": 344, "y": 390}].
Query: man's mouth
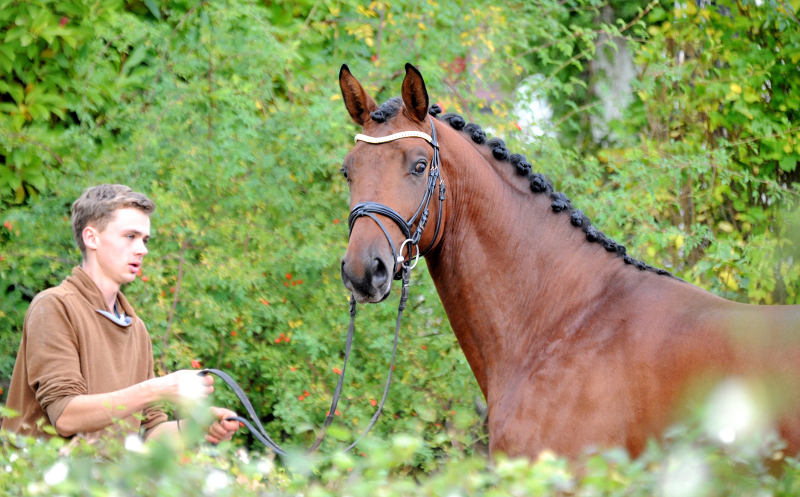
[{"x": 134, "y": 266}]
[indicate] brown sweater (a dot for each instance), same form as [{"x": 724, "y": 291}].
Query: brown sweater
[{"x": 70, "y": 348}]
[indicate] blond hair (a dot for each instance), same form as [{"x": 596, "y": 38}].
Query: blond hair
[{"x": 97, "y": 205}]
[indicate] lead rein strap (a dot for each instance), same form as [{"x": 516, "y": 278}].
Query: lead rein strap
[{"x": 257, "y": 429}]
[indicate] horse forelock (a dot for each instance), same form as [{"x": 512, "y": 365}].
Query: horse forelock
[{"x": 540, "y": 184}]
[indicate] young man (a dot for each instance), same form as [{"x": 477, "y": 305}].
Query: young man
[{"x": 85, "y": 363}]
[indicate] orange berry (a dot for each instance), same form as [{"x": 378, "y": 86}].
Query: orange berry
[
  {"x": 372, "y": 401},
  {"x": 195, "y": 364}
]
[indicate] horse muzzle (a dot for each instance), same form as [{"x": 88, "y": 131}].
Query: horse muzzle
[{"x": 369, "y": 279}]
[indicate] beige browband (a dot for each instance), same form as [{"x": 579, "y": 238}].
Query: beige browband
[{"x": 396, "y": 136}]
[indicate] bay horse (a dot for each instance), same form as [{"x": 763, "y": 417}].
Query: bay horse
[{"x": 574, "y": 343}]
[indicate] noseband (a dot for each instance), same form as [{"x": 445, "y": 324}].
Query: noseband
[{"x": 370, "y": 209}]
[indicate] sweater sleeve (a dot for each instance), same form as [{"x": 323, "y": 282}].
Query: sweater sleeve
[
  {"x": 52, "y": 356},
  {"x": 153, "y": 414}
]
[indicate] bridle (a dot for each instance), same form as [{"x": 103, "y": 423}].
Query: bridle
[{"x": 368, "y": 209}]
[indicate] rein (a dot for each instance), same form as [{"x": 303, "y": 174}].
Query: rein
[{"x": 368, "y": 209}]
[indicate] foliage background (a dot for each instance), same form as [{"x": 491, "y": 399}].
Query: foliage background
[{"x": 228, "y": 115}]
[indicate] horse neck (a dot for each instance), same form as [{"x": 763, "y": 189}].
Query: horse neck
[{"x": 508, "y": 269}]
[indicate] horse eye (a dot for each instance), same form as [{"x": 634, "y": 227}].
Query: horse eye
[
  {"x": 419, "y": 168},
  {"x": 344, "y": 172}
]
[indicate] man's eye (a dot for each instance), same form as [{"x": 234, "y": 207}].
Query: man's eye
[{"x": 419, "y": 168}]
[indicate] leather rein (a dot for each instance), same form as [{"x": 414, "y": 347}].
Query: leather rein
[{"x": 371, "y": 210}]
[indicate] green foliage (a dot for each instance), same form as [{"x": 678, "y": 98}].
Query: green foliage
[{"x": 685, "y": 465}]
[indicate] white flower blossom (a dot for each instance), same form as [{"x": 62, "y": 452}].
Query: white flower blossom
[
  {"x": 216, "y": 481},
  {"x": 56, "y": 474},
  {"x": 265, "y": 466},
  {"x": 134, "y": 444}
]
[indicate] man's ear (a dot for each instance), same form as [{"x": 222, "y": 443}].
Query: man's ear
[
  {"x": 90, "y": 236},
  {"x": 358, "y": 103}
]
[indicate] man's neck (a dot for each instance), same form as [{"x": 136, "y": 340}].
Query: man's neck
[{"x": 108, "y": 288}]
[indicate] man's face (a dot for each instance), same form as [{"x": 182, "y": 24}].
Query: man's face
[{"x": 122, "y": 245}]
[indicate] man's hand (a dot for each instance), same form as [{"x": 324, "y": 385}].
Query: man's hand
[
  {"x": 220, "y": 429},
  {"x": 88, "y": 413},
  {"x": 181, "y": 385}
]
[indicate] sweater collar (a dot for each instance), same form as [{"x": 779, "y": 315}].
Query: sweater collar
[{"x": 87, "y": 288}]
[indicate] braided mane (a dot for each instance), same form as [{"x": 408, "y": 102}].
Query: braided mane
[{"x": 540, "y": 184}]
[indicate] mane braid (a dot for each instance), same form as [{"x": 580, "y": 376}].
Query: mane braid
[
  {"x": 540, "y": 184},
  {"x": 387, "y": 110}
]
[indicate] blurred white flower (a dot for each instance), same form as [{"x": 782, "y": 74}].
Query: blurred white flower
[
  {"x": 734, "y": 413},
  {"x": 216, "y": 481},
  {"x": 134, "y": 444},
  {"x": 265, "y": 466},
  {"x": 685, "y": 474},
  {"x": 13, "y": 458},
  {"x": 56, "y": 474}
]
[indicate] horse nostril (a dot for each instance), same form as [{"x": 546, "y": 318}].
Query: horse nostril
[
  {"x": 379, "y": 273},
  {"x": 345, "y": 278}
]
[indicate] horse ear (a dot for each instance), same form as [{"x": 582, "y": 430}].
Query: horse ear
[
  {"x": 415, "y": 96},
  {"x": 358, "y": 103}
]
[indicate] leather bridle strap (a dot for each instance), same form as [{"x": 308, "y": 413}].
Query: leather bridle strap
[{"x": 370, "y": 208}]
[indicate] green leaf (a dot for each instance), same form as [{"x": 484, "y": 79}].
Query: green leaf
[
  {"x": 154, "y": 8},
  {"x": 136, "y": 57},
  {"x": 788, "y": 163}
]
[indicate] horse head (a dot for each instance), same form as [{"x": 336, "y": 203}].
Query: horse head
[{"x": 393, "y": 174}]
